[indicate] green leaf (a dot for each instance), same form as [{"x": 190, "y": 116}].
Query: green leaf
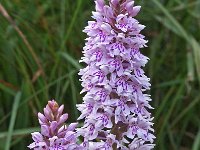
[
  {"x": 19, "y": 132},
  {"x": 71, "y": 60},
  {"x": 196, "y": 144},
  {"x": 12, "y": 120}
]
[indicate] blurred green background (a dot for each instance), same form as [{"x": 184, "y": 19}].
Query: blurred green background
[{"x": 41, "y": 43}]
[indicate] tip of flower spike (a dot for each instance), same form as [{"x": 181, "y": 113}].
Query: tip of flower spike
[{"x": 53, "y": 105}]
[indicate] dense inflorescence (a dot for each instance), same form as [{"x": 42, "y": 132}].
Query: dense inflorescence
[
  {"x": 55, "y": 135},
  {"x": 115, "y": 106}
]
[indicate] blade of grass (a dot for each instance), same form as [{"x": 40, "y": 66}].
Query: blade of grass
[
  {"x": 175, "y": 23},
  {"x": 196, "y": 144},
  {"x": 183, "y": 130},
  {"x": 168, "y": 114},
  {"x": 64, "y": 89},
  {"x": 196, "y": 53},
  {"x": 73, "y": 21},
  {"x": 74, "y": 99},
  {"x": 65, "y": 38},
  {"x": 165, "y": 21},
  {"x": 6, "y": 89},
  {"x": 184, "y": 6},
  {"x": 170, "y": 83},
  {"x": 12, "y": 120},
  {"x": 190, "y": 65},
  {"x": 29, "y": 47},
  {"x": 71, "y": 60},
  {"x": 183, "y": 33},
  {"x": 40, "y": 91},
  {"x": 185, "y": 111},
  {"x": 171, "y": 138},
  {"x": 164, "y": 102},
  {"x": 155, "y": 46},
  {"x": 27, "y": 80},
  {"x": 19, "y": 132}
]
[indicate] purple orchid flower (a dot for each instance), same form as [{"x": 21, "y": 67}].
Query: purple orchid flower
[{"x": 115, "y": 107}]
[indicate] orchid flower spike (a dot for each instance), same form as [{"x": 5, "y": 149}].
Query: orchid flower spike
[
  {"x": 115, "y": 107},
  {"x": 54, "y": 135}
]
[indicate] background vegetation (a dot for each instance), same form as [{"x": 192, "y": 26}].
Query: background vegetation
[{"x": 41, "y": 43}]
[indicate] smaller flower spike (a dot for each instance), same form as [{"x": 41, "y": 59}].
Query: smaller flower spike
[{"x": 55, "y": 135}]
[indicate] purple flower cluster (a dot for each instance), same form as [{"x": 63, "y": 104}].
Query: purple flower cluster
[
  {"x": 115, "y": 106},
  {"x": 55, "y": 135}
]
